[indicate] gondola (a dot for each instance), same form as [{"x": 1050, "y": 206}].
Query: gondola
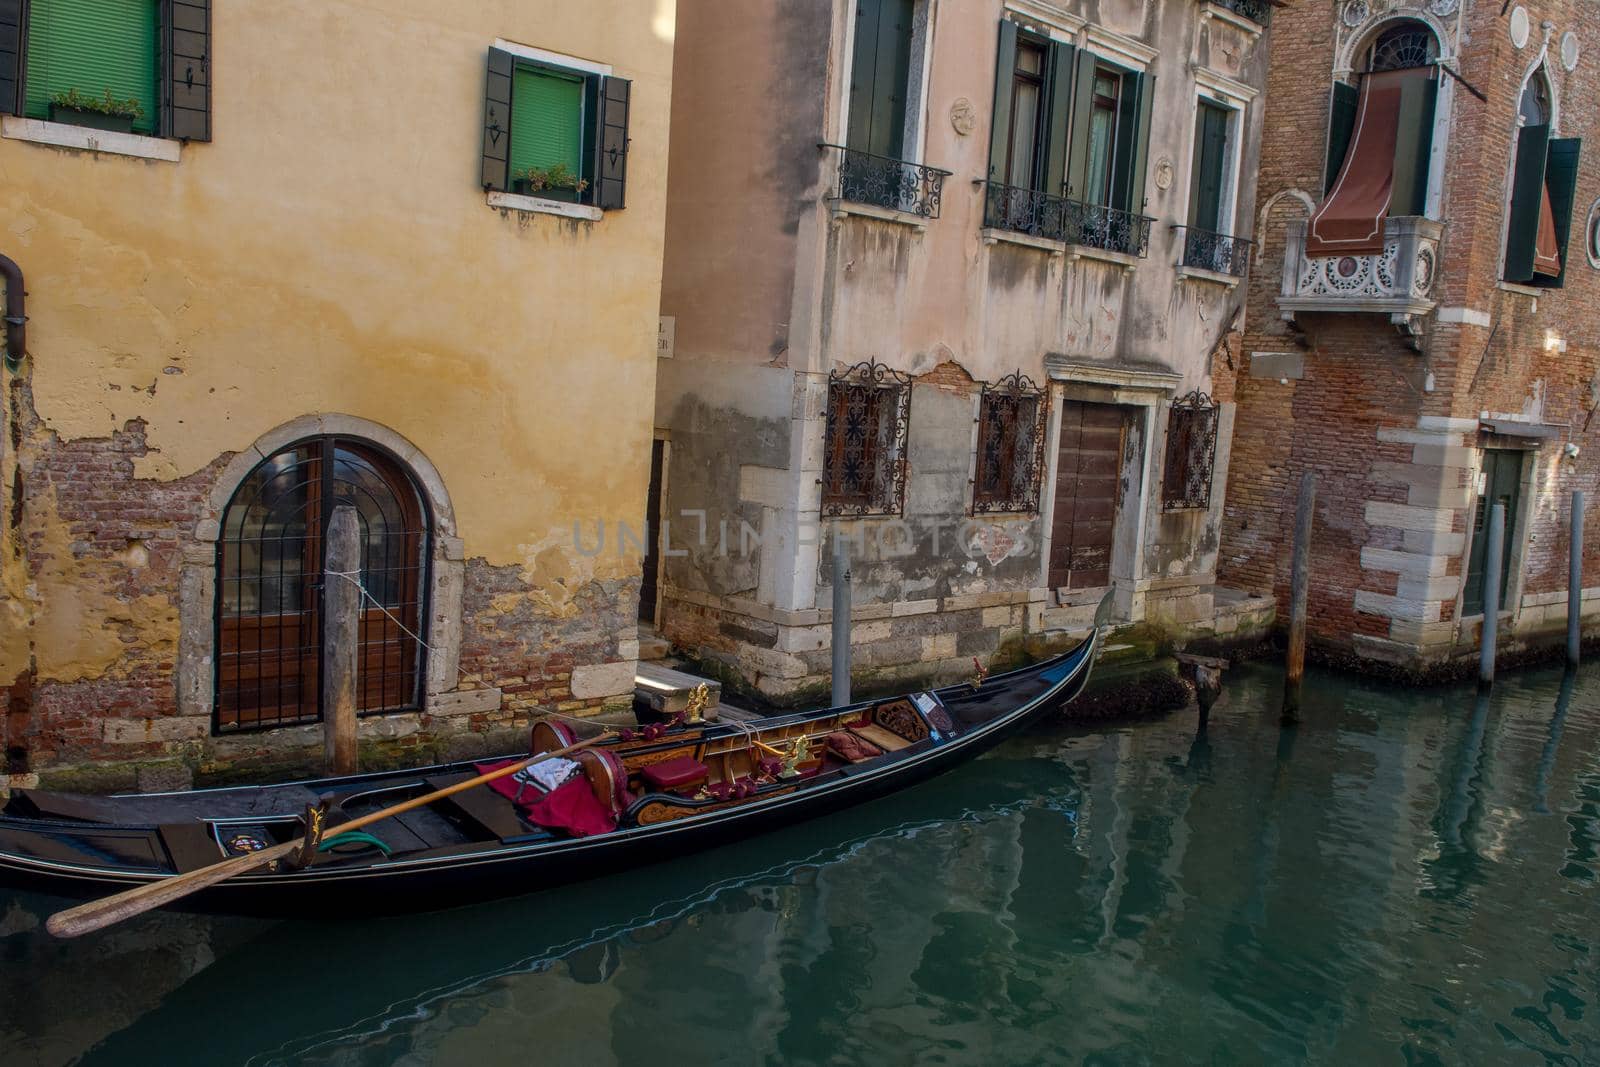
[{"x": 637, "y": 798}]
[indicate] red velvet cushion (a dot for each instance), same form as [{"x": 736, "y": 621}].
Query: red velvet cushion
[
  {"x": 849, "y": 747},
  {"x": 675, "y": 773},
  {"x": 573, "y": 807}
]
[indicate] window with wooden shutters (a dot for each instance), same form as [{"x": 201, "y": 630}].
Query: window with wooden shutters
[
  {"x": 1010, "y": 460},
  {"x": 864, "y": 446},
  {"x": 553, "y": 132},
  {"x": 1543, "y": 185},
  {"x": 141, "y": 66},
  {"x": 1191, "y": 452}
]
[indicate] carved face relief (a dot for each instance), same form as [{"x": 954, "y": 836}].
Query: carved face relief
[
  {"x": 963, "y": 116},
  {"x": 1164, "y": 174}
]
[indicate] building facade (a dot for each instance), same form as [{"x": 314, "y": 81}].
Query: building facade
[
  {"x": 1423, "y": 331},
  {"x": 958, "y": 284},
  {"x": 259, "y": 288}
]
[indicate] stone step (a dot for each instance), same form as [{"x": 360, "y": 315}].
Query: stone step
[
  {"x": 667, "y": 691},
  {"x": 652, "y": 646}
]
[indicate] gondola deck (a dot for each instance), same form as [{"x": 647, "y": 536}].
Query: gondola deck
[{"x": 721, "y": 783}]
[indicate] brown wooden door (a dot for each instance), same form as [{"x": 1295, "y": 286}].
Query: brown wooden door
[{"x": 1088, "y": 469}]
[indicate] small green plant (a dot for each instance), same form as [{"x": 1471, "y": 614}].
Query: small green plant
[
  {"x": 555, "y": 176},
  {"x": 103, "y": 105}
]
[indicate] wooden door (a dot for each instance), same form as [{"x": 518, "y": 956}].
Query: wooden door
[
  {"x": 1088, "y": 483},
  {"x": 1502, "y": 473}
]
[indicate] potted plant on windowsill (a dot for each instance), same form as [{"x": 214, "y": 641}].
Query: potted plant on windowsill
[
  {"x": 554, "y": 182},
  {"x": 96, "y": 112}
]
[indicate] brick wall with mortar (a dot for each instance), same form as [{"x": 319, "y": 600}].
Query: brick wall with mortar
[
  {"x": 78, "y": 510},
  {"x": 1397, "y": 454}
]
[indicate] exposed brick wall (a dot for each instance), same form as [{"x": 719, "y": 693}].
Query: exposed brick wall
[{"x": 1364, "y": 387}]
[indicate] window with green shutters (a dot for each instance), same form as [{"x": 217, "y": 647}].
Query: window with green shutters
[
  {"x": 555, "y": 132},
  {"x": 547, "y": 127},
  {"x": 93, "y": 47}
]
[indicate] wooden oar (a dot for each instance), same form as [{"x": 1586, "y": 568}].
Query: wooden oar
[{"x": 98, "y": 914}]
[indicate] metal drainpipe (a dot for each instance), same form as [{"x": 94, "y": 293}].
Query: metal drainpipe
[{"x": 16, "y": 315}]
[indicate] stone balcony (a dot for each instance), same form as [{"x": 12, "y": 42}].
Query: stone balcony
[{"x": 1397, "y": 282}]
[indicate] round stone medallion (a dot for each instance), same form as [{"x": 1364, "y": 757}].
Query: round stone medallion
[
  {"x": 1164, "y": 174},
  {"x": 963, "y": 116},
  {"x": 1520, "y": 26},
  {"x": 1569, "y": 50},
  {"x": 1355, "y": 13}
]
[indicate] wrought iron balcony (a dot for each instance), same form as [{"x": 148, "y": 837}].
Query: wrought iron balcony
[
  {"x": 1397, "y": 281},
  {"x": 1257, "y": 11},
  {"x": 888, "y": 183},
  {"x": 1219, "y": 253},
  {"x": 1037, "y": 214}
]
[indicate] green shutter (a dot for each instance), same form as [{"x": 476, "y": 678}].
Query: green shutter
[
  {"x": 880, "y": 70},
  {"x": 1413, "y": 141},
  {"x": 1133, "y": 141},
  {"x": 1561, "y": 179},
  {"x": 1000, "y": 128},
  {"x": 186, "y": 70},
  {"x": 1078, "y": 139},
  {"x": 1210, "y": 165},
  {"x": 614, "y": 101},
  {"x": 13, "y": 23},
  {"x": 546, "y": 121},
  {"x": 1341, "y": 127},
  {"x": 93, "y": 46},
  {"x": 1062, "y": 68},
  {"x": 1527, "y": 189}
]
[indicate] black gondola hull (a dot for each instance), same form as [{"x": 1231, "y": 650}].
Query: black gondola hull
[{"x": 491, "y": 871}]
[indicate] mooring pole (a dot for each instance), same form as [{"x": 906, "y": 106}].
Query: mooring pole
[
  {"x": 841, "y": 621},
  {"x": 1493, "y": 552},
  {"x": 1575, "y": 581},
  {"x": 341, "y": 617},
  {"x": 1299, "y": 584}
]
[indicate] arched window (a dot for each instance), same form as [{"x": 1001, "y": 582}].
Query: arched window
[
  {"x": 270, "y": 579},
  {"x": 1544, "y": 179},
  {"x": 1534, "y": 107},
  {"x": 1401, "y": 46}
]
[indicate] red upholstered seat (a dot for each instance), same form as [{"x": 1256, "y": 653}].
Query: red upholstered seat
[{"x": 680, "y": 773}]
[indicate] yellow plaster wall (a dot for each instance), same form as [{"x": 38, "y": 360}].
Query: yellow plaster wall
[{"x": 331, "y": 251}]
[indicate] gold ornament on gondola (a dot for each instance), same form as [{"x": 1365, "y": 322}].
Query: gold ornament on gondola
[{"x": 699, "y": 700}]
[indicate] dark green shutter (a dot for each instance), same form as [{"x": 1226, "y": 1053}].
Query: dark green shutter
[
  {"x": 1000, "y": 127},
  {"x": 546, "y": 120},
  {"x": 497, "y": 121},
  {"x": 1341, "y": 127},
  {"x": 1059, "y": 132},
  {"x": 93, "y": 46},
  {"x": 1078, "y": 138},
  {"x": 1210, "y": 164},
  {"x": 611, "y": 143},
  {"x": 1561, "y": 179},
  {"x": 186, "y": 69},
  {"x": 1413, "y": 141},
  {"x": 13, "y": 35},
  {"x": 1527, "y": 189},
  {"x": 1133, "y": 141},
  {"x": 880, "y": 72}
]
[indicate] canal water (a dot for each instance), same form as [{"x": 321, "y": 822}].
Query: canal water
[{"x": 1407, "y": 877}]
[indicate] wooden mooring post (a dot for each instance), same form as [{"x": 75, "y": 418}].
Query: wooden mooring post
[
  {"x": 1575, "y": 581},
  {"x": 841, "y": 621},
  {"x": 1493, "y": 553},
  {"x": 1299, "y": 585},
  {"x": 341, "y": 618}
]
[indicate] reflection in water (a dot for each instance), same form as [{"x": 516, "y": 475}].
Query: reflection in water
[{"x": 1400, "y": 876}]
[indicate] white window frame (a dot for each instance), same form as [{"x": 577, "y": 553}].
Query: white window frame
[{"x": 1235, "y": 97}]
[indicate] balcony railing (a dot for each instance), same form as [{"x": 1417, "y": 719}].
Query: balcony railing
[
  {"x": 1037, "y": 214},
  {"x": 888, "y": 183},
  {"x": 1257, "y": 11},
  {"x": 1218, "y": 252},
  {"x": 1397, "y": 281}
]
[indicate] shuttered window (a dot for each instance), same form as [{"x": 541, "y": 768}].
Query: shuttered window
[
  {"x": 880, "y": 73},
  {"x": 94, "y": 47},
  {"x": 555, "y": 133},
  {"x": 546, "y": 121},
  {"x": 1210, "y": 166},
  {"x": 1539, "y": 221}
]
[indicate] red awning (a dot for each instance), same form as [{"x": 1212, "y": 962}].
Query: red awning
[
  {"x": 1349, "y": 221},
  {"x": 1546, "y": 249}
]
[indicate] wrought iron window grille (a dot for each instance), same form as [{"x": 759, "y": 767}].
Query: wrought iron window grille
[
  {"x": 1038, "y": 214},
  {"x": 1010, "y": 460},
  {"x": 864, "y": 447},
  {"x": 1257, "y": 11},
  {"x": 888, "y": 183},
  {"x": 1220, "y": 252},
  {"x": 1191, "y": 452}
]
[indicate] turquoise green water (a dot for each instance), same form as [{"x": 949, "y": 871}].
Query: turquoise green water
[{"x": 1407, "y": 877}]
